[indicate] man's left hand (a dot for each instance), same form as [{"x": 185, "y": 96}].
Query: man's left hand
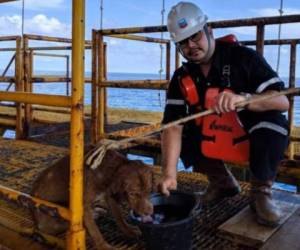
[{"x": 226, "y": 102}]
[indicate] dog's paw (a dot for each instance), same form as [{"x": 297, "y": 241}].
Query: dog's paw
[{"x": 133, "y": 232}]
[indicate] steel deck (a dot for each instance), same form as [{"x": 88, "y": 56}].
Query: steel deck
[{"x": 22, "y": 161}]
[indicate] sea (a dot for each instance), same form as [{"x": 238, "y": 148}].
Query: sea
[{"x": 139, "y": 99}]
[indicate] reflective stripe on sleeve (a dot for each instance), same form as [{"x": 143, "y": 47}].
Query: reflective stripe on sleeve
[
  {"x": 265, "y": 84},
  {"x": 175, "y": 102},
  {"x": 269, "y": 125}
]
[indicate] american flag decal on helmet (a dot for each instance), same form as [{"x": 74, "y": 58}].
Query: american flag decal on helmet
[{"x": 182, "y": 23}]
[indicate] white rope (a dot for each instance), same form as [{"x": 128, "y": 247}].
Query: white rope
[
  {"x": 161, "y": 70},
  {"x": 279, "y": 36},
  {"x": 101, "y": 14}
]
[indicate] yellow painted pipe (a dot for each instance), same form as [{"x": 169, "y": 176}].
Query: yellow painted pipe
[
  {"x": 19, "y": 87},
  {"x": 138, "y": 84},
  {"x": 141, "y": 38},
  {"x": 94, "y": 87},
  {"x": 23, "y": 198},
  {"x": 42, "y": 99},
  {"x": 51, "y": 39},
  {"x": 76, "y": 232},
  {"x": 8, "y": 38}
]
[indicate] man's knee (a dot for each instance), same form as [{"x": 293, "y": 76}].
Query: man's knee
[{"x": 207, "y": 165}]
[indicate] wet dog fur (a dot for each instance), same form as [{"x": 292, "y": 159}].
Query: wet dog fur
[{"x": 117, "y": 178}]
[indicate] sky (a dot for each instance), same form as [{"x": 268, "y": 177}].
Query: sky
[{"x": 53, "y": 18}]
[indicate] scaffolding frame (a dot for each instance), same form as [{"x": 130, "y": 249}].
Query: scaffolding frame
[{"x": 76, "y": 233}]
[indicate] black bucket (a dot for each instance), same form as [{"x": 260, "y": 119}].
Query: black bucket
[{"x": 175, "y": 230}]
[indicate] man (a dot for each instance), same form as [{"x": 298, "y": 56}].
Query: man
[{"x": 237, "y": 72}]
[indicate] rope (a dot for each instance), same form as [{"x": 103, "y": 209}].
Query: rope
[
  {"x": 95, "y": 159},
  {"x": 101, "y": 14},
  {"x": 161, "y": 70},
  {"x": 279, "y": 36}
]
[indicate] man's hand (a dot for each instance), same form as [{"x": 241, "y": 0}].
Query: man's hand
[
  {"x": 226, "y": 102},
  {"x": 167, "y": 183}
]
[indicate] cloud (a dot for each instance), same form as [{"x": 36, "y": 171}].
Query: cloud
[
  {"x": 38, "y": 4},
  {"x": 39, "y": 24},
  {"x": 10, "y": 25}
]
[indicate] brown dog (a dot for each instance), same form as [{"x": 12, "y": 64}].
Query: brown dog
[{"x": 118, "y": 178}]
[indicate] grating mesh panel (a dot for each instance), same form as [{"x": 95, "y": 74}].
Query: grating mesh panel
[
  {"x": 22, "y": 161},
  {"x": 205, "y": 230}
]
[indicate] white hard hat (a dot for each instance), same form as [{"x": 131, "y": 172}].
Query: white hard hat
[{"x": 184, "y": 20}]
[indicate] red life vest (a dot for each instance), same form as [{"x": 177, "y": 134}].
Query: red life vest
[{"x": 224, "y": 137}]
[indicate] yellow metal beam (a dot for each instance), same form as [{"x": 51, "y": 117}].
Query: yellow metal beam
[
  {"x": 30, "y": 201},
  {"x": 76, "y": 233},
  {"x": 42, "y": 99}
]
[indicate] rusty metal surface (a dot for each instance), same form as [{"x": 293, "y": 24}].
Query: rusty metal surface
[
  {"x": 205, "y": 235},
  {"x": 22, "y": 161},
  {"x": 205, "y": 230},
  {"x": 215, "y": 24}
]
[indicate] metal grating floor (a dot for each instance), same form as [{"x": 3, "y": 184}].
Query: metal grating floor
[
  {"x": 22, "y": 161},
  {"x": 205, "y": 230}
]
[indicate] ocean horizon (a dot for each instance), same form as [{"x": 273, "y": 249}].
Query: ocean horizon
[{"x": 140, "y": 99}]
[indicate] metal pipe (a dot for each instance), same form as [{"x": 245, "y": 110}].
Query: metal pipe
[
  {"x": 54, "y": 79},
  {"x": 19, "y": 87},
  {"x": 76, "y": 232},
  {"x": 94, "y": 130},
  {"x": 68, "y": 75},
  {"x": 260, "y": 36},
  {"x": 42, "y": 99},
  {"x": 272, "y": 42},
  {"x": 138, "y": 84},
  {"x": 51, "y": 39},
  {"x": 141, "y": 38},
  {"x": 216, "y": 24},
  {"x": 30, "y": 201},
  {"x": 8, "y": 122},
  {"x": 105, "y": 77},
  {"x": 26, "y": 77},
  {"x": 255, "y": 21},
  {"x": 9, "y": 38},
  {"x": 50, "y": 55},
  {"x": 46, "y": 48},
  {"x": 101, "y": 79},
  {"x": 168, "y": 61},
  {"x": 292, "y": 84},
  {"x": 247, "y": 42}
]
